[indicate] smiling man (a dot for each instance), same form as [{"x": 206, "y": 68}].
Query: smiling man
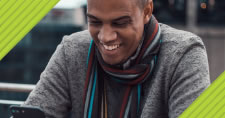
[
  {"x": 126, "y": 65},
  {"x": 117, "y": 27}
]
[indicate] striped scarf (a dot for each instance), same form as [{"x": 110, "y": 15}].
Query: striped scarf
[{"x": 132, "y": 77}]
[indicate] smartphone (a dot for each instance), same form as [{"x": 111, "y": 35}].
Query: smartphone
[{"x": 26, "y": 112}]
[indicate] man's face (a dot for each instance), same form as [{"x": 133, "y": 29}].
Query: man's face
[{"x": 116, "y": 27}]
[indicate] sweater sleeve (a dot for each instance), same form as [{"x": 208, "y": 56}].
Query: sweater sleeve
[
  {"x": 190, "y": 77},
  {"x": 51, "y": 93}
]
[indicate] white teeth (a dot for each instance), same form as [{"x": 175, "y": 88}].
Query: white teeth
[{"x": 111, "y": 47}]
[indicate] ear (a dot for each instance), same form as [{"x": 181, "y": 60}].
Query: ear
[{"x": 148, "y": 9}]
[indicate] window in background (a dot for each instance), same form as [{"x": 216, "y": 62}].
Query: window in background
[
  {"x": 170, "y": 11},
  {"x": 211, "y": 12}
]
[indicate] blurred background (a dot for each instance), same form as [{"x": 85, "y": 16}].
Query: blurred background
[{"x": 28, "y": 59}]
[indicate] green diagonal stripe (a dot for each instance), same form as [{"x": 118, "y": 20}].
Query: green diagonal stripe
[
  {"x": 17, "y": 18},
  {"x": 211, "y": 103}
]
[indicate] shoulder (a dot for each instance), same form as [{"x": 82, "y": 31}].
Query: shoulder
[
  {"x": 178, "y": 38},
  {"x": 78, "y": 38},
  {"x": 177, "y": 42},
  {"x": 179, "y": 47},
  {"x": 76, "y": 45}
]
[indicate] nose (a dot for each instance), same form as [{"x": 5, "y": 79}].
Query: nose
[{"x": 107, "y": 34}]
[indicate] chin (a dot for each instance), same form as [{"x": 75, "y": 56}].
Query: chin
[{"x": 111, "y": 61}]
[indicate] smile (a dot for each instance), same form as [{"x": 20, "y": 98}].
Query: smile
[{"x": 111, "y": 47}]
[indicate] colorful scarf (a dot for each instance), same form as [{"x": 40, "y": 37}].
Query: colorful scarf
[{"x": 138, "y": 69}]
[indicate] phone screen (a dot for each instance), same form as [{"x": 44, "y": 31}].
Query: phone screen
[{"x": 26, "y": 112}]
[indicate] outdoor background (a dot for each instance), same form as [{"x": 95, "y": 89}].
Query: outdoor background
[{"x": 28, "y": 59}]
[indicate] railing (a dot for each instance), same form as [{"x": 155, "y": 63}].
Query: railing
[{"x": 15, "y": 88}]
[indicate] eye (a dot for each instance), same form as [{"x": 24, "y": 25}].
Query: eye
[
  {"x": 121, "y": 23},
  {"x": 94, "y": 22}
]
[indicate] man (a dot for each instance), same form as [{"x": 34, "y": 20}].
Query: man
[{"x": 126, "y": 65}]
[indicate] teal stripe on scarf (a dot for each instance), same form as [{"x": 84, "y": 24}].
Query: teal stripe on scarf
[
  {"x": 89, "y": 51},
  {"x": 88, "y": 96},
  {"x": 139, "y": 96},
  {"x": 92, "y": 95}
]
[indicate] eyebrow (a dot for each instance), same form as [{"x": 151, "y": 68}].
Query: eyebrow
[
  {"x": 122, "y": 17},
  {"x": 116, "y": 19},
  {"x": 91, "y": 16}
]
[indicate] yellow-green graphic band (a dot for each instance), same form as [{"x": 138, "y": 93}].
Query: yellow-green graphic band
[
  {"x": 17, "y": 18},
  {"x": 211, "y": 103}
]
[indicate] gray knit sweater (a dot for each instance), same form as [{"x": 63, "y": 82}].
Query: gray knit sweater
[{"x": 180, "y": 76}]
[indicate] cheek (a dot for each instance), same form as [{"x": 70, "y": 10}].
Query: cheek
[
  {"x": 134, "y": 36},
  {"x": 131, "y": 40},
  {"x": 93, "y": 31},
  {"x": 94, "y": 34}
]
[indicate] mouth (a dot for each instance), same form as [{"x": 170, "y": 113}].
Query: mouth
[
  {"x": 111, "y": 47},
  {"x": 110, "y": 50}
]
